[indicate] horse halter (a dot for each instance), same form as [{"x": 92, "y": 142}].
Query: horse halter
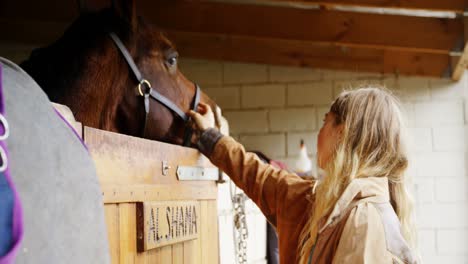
[{"x": 150, "y": 92}]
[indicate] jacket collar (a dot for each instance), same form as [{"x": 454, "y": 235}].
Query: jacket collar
[{"x": 370, "y": 189}]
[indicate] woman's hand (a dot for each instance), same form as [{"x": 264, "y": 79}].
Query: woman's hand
[{"x": 204, "y": 118}]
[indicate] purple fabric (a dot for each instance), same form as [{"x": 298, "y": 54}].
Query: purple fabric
[{"x": 17, "y": 227}]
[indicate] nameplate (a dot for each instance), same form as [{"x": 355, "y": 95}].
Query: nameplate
[{"x": 164, "y": 223}]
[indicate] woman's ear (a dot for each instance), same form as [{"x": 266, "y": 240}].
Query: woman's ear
[
  {"x": 126, "y": 10},
  {"x": 340, "y": 130}
]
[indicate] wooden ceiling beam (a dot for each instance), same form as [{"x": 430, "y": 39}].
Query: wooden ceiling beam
[
  {"x": 308, "y": 54},
  {"x": 461, "y": 64},
  {"x": 456, "y": 6},
  {"x": 263, "y": 50},
  {"x": 437, "y": 35}
]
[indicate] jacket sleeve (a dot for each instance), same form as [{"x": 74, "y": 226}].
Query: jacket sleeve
[
  {"x": 363, "y": 238},
  {"x": 270, "y": 188}
]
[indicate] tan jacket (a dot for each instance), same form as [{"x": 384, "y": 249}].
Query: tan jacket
[{"x": 362, "y": 228}]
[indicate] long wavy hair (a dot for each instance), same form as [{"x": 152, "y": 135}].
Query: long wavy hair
[{"x": 372, "y": 144}]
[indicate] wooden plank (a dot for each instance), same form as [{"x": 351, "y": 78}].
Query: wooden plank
[
  {"x": 189, "y": 252},
  {"x": 178, "y": 253},
  {"x": 146, "y": 192},
  {"x": 209, "y": 232},
  {"x": 345, "y": 28},
  {"x": 165, "y": 254},
  {"x": 457, "y": 6},
  {"x": 153, "y": 256},
  {"x": 462, "y": 63},
  {"x": 212, "y": 223},
  {"x": 124, "y": 160},
  {"x": 127, "y": 227},
  {"x": 111, "y": 212},
  {"x": 308, "y": 54}
]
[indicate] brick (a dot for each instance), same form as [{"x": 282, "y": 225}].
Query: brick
[
  {"x": 427, "y": 240},
  {"x": 407, "y": 110},
  {"x": 438, "y": 113},
  {"x": 414, "y": 88},
  {"x": 340, "y": 86},
  {"x": 203, "y": 72},
  {"x": 420, "y": 139},
  {"x": 293, "y": 74},
  {"x": 247, "y": 121},
  {"x": 449, "y": 138},
  {"x": 225, "y": 97},
  {"x": 298, "y": 119},
  {"x": 452, "y": 190},
  {"x": 271, "y": 95},
  {"x": 349, "y": 75},
  {"x": 428, "y": 258},
  {"x": 439, "y": 164},
  {"x": 272, "y": 145},
  {"x": 243, "y": 73},
  {"x": 312, "y": 93},
  {"x": 424, "y": 190},
  {"x": 321, "y": 112},
  {"x": 446, "y": 215},
  {"x": 294, "y": 139},
  {"x": 426, "y": 215},
  {"x": 451, "y": 215},
  {"x": 412, "y": 170},
  {"x": 445, "y": 89},
  {"x": 452, "y": 241}
]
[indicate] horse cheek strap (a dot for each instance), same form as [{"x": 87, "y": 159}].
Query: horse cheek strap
[{"x": 150, "y": 92}]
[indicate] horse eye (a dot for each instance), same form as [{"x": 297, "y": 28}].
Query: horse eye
[{"x": 172, "y": 61}]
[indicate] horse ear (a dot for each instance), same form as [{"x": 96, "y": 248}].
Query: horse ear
[{"x": 126, "y": 9}]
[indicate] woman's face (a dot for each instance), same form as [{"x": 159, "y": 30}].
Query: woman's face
[{"x": 327, "y": 139}]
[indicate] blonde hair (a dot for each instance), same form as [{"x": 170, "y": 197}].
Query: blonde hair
[{"x": 372, "y": 144}]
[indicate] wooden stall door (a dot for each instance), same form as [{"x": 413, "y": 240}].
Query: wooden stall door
[{"x": 130, "y": 172}]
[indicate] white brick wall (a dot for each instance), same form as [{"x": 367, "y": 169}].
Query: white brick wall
[
  {"x": 280, "y": 105},
  {"x": 241, "y": 73},
  {"x": 247, "y": 121},
  {"x": 310, "y": 93},
  {"x": 272, "y": 145},
  {"x": 227, "y": 97},
  {"x": 261, "y": 96},
  {"x": 292, "y": 119}
]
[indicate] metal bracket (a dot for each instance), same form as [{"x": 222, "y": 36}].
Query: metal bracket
[{"x": 190, "y": 173}]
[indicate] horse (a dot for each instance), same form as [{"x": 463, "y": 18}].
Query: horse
[{"x": 87, "y": 70}]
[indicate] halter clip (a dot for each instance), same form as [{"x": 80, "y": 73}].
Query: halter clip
[{"x": 147, "y": 91}]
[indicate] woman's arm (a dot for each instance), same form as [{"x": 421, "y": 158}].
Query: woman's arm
[{"x": 270, "y": 188}]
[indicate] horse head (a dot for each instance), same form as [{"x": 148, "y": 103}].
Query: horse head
[{"x": 86, "y": 71}]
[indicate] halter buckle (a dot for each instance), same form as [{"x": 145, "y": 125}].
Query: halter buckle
[{"x": 148, "y": 85}]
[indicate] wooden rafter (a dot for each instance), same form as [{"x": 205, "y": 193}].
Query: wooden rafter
[
  {"x": 307, "y": 37},
  {"x": 307, "y": 54},
  {"x": 461, "y": 64},
  {"x": 334, "y": 27},
  {"x": 456, "y": 6}
]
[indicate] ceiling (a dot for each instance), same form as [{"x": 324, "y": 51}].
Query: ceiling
[{"x": 412, "y": 37}]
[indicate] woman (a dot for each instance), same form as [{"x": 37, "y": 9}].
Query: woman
[{"x": 360, "y": 212}]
